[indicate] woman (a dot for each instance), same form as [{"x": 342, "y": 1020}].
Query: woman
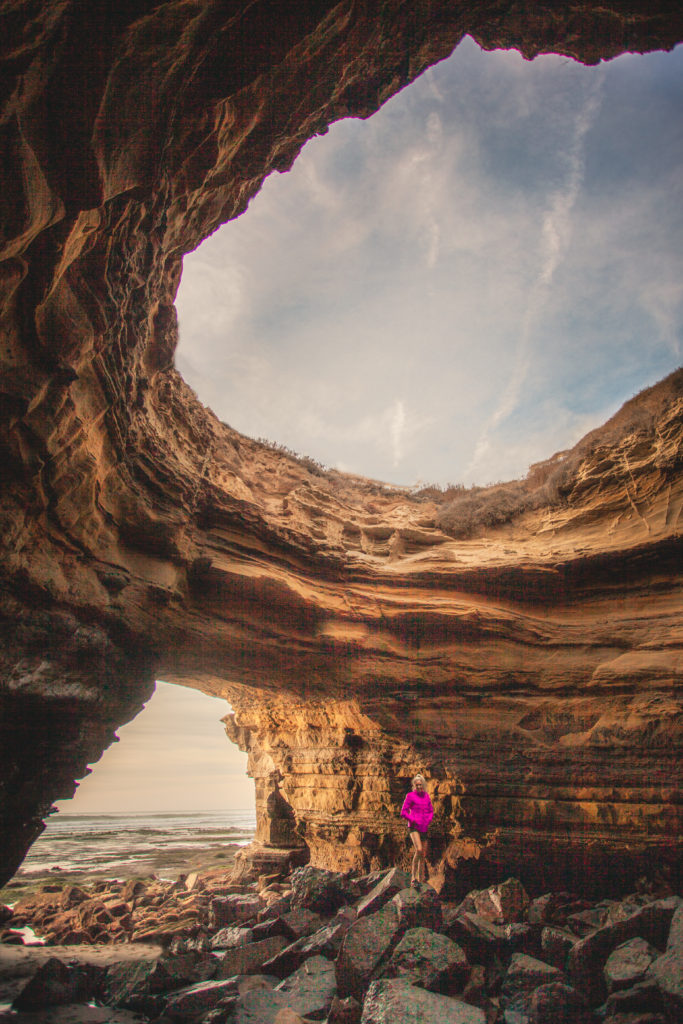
[{"x": 418, "y": 811}]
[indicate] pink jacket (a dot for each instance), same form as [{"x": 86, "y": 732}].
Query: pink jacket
[{"x": 417, "y": 809}]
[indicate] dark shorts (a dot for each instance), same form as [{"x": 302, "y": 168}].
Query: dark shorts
[{"x": 423, "y": 835}]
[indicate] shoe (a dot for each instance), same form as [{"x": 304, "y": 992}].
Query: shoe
[{"x": 415, "y": 883}]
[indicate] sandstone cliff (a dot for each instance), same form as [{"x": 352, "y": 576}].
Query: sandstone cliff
[{"x": 528, "y": 669}]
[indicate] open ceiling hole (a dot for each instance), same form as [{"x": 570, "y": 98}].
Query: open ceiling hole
[{"x": 461, "y": 286}]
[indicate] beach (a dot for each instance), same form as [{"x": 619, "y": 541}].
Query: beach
[
  {"x": 82, "y": 847},
  {"x": 78, "y": 849}
]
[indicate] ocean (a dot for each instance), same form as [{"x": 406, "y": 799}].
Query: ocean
[{"x": 121, "y": 845}]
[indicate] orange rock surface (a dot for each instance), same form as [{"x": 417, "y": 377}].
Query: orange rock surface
[{"x": 529, "y": 669}]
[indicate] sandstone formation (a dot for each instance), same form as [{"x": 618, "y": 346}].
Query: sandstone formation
[{"x": 529, "y": 670}]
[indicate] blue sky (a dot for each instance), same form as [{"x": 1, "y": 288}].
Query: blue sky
[{"x": 465, "y": 283}]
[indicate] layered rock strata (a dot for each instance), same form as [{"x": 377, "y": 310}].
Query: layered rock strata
[{"x": 529, "y": 670}]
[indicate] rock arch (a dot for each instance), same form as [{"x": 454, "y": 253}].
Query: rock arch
[{"x": 529, "y": 672}]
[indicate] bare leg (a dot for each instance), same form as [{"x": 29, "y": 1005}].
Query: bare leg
[
  {"x": 423, "y": 860},
  {"x": 417, "y": 856}
]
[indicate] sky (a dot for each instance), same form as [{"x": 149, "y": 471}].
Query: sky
[
  {"x": 461, "y": 285},
  {"x": 175, "y": 756}
]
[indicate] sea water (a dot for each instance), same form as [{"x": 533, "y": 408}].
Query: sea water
[{"x": 111, "y": 844}]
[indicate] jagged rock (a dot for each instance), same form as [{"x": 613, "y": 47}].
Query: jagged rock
[
  {"x": 475, "y": 992},
  {"x": 391, "y": 883},
  {"x": 585, "y": 922},
  {"x": 5, "y": 913},
  {"x": 344, "y": 1011},
  {"x": 300, "y": 922},
  {"x": 628, "y": 964},
  {"x": 667, "y": 970},
  {"x": 325, "y": 942},
  {"x": 311, "y": 989},
  {"x": 418, "y": 908},
  {"x": 229, "y": 910},
  {"x": 321, "y": 890},
  {"x": 367, "y": 942},
  {"x": 587, "y": 957},
  {"x": 556, "y": 944},
  {"x": 482, "y": 940},
  {"x": 134, "y": 985},
  {"x": 505, "y": 903},
  {"x": 56, "y": 983},
  {"x": 558, "y": 1003},
  {"x": 197, "y": 999},
  {"x": 251, "y": 958},
  {"x": 523, "y": 975},
  {"x": 432, "y": 961},
  {"x": 391, "y": 1001},
  {"x": 644, "y": 996},
  {"x": 231, "y": 936}
]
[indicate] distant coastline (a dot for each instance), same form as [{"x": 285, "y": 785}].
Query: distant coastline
[{"x": 124, "y": 845}]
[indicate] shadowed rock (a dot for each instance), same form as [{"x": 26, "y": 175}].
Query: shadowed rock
[{"x": 391, "y": 1001}]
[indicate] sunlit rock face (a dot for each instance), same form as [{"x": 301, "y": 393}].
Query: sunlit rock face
[{"x": 529, "y": 670}]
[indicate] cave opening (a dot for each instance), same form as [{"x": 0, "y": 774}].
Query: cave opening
[
  {"x": 171, "y": 794},
  {"x": 469, "y": 281}
]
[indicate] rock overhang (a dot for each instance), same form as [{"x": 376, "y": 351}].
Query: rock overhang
[{"x": 529, "y": 671}]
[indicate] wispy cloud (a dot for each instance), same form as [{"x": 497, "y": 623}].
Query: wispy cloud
[
  {"x": 440, "y": 286},
  {"x": 556, "y": 233},
  {"x": 398, "y": 426}
]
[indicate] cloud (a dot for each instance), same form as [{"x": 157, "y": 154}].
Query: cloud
[
  {"x": 555, "y": 237},
  {"x": 473, "y": 252},
  {"x": 398, "y": 425}
]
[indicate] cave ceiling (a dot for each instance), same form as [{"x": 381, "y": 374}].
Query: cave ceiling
[{"x": 529, "y": 668}]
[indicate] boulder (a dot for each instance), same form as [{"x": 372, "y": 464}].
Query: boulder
[
  {"x": 251, "y": 958},
  {"x": 393, "y": 1001},
  {"x": 389, "y": 884},
  {"x": 628, "y": 963},
  {"x": 325, "y": 942},
  {"x": 231, "y": 909},
  {"x": 368, "y": 941},
  {"x": 5, "y": 913},
  {"x": 558, "y": 1003},
  {"x": 646, "y": 995},
  {"x": 524, "y": 974},
  {"x": 261, "y": 1006},
  {"x": 299, "y": 922},
  {"x": 137, "y": 985},
  {"x": 430, "y": 960},
  {"x": 587, "y": 957},
  {"x": 56, "y": 983},
  {"x": 554, "y": 908},
  {"x": 556, "y": 944},
  {"x": 505, "y": 903},
  {"x": 667, "y": 970},
  {"x": 231, "y": 936},
  {"x": 482, "y": 940},
  {"x": 311, "y": 989},
  {"x": 418, "y": 908},
  {"x": 197, "y": 999},
  {"x": 72, "y": 895},
  {"x": 344, "y": 1011},
  {"x": 321, "y": 890}
]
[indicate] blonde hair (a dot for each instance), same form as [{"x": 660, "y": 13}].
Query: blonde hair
[{"x": 419, "y": 778}]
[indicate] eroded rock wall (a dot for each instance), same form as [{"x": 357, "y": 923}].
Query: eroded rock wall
[{"x": 142, "y": 537}]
